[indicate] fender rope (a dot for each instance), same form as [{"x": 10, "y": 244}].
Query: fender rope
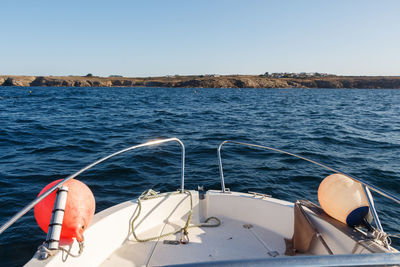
[{"x": 52, "y": 252}]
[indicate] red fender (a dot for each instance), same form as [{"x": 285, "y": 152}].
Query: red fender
[{"x": 79, "y": 209}]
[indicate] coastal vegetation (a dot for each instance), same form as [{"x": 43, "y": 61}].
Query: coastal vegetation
[{"x": 274, "y": 80}]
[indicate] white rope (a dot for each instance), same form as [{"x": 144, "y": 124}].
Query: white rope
[{"x": 51, "y": 252}]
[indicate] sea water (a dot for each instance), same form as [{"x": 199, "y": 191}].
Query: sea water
[{"x": 48, "y": 133}]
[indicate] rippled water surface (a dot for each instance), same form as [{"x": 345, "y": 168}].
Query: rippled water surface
[{"x": 52, "y": 132}]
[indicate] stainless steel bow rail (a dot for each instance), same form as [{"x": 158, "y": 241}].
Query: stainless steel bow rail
[
  {"x": 366, "y": 186},
  {"x": 59, "y": 185}
]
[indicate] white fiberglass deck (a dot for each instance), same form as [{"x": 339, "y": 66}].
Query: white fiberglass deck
[
  {"x": 233, "y": 239},
  {"x": 230, "y": 241}
]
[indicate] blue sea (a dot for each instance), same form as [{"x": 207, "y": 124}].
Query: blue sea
[{"x": 48, "y": 133}]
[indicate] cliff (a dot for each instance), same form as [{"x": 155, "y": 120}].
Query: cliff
[{"x": 229, "y": 81}]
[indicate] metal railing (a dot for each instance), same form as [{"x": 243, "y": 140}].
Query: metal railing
[
  {"x": 366, "y": 186},
  {"x": 374, "y": 259},
  {"x": 58, "y": 185}
]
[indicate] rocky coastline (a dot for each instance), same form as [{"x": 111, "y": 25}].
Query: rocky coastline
[{"x": 207, "y": 81}]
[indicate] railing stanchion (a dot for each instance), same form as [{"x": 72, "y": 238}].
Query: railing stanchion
[{"x": 221, "y": 171}]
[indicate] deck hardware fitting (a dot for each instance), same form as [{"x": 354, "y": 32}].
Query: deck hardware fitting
[
  {"x": 273, "y": 253},
  {"x": 255, "y": 194},
  {"x": 171, "y": 242}
]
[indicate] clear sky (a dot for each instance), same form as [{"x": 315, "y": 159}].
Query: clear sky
[{"x": 151, "y": 38}]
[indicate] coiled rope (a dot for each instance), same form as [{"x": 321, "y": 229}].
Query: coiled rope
[{"x": 151, "y": 194}]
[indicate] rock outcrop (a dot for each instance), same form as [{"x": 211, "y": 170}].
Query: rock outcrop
[
  {"x": 229, "y": 81},
  {"x": 18, "y": 80}
]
